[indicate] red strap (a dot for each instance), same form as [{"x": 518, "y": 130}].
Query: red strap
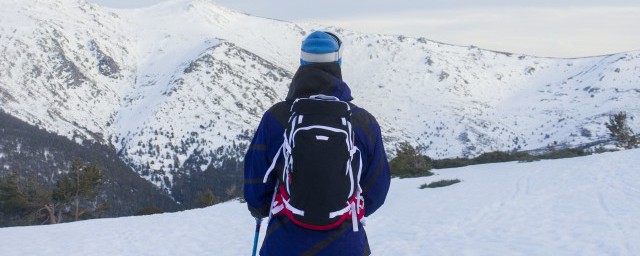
[{"x": 282, "y": 195}]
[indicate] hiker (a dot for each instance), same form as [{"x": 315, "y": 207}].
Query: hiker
[{"x": 316, "y": 164}]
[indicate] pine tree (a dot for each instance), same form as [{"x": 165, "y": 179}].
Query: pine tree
[
  {"x": 79, "y": 189},
  {"x": 621, "y": 131},
  {"x": 409, "y": 162},
  {"x": 207, "y": 198},
  {"x": 24, "y": 199},
  {"x": 12, "y": 199}
]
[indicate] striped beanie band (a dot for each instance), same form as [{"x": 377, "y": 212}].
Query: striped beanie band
[{"x": 321, "y": 47}]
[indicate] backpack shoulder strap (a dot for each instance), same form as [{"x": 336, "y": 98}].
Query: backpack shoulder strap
[{"x": 281, "y": 111}]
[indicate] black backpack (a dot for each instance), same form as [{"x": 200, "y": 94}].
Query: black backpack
[{"x": 318, "y": 188}]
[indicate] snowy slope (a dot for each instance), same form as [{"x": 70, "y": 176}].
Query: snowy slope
[
  {"x": 579, "y": 206},
  {"x": 186, "y": 81}
]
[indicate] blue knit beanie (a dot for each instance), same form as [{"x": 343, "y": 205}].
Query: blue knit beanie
[{"x": 321, "y": 47}]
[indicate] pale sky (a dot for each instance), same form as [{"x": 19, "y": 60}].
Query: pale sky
[{"x": 570, "y": 28}]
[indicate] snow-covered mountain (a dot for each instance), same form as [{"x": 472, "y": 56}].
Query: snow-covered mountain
[
  {"x": 579, "y": 206},
  {"x": 184, "y": 83}
]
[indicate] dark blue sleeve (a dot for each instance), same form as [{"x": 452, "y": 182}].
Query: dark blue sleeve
[
  {"x": 376, "y": 179},
  {"x": 263, "y": 148}
]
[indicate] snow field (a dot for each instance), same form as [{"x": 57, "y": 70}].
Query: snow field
[{"x": 578, "y": 206}]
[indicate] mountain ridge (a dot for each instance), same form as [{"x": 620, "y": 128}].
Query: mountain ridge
[{"x": 119, "y": 77}]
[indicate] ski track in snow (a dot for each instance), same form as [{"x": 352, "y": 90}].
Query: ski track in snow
[{"x": 578, "y": 206}]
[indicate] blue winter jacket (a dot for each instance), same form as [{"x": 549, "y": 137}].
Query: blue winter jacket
[{"x": 283, "y": 237}]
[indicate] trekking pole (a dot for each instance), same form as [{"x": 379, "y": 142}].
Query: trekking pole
[{"x": 255, "y": 238}]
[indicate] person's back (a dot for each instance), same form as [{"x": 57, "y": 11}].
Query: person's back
[{"x": 319, "y": 74}]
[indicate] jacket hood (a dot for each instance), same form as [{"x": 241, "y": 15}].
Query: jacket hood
[{"x": 319, "y": 78}]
